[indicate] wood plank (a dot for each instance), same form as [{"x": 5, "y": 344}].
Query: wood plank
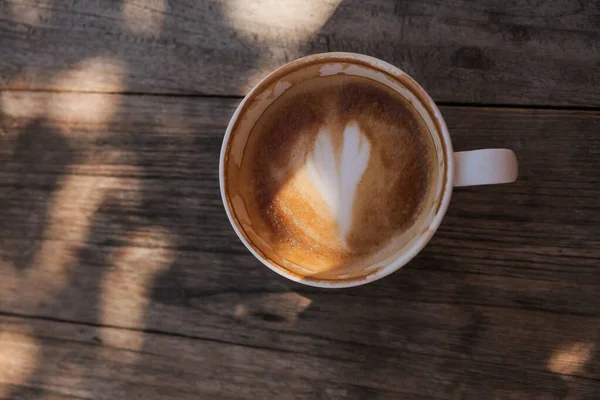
[
  {"x": 113, "y": 218},
  {"x": 69, "y": 360},
  {"x": 525, "y": 52},
  {"x": 84, "y": 362}
]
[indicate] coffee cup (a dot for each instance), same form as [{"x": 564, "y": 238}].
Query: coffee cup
[{"x": 337, "y": 169}]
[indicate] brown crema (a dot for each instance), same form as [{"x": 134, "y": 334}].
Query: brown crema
[{"x": 294, "y": 214}]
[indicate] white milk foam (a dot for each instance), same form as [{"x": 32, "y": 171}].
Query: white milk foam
[{"x": 337, "y": 178}]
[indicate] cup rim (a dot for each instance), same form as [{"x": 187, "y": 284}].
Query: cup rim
[{"x": 424, "y": 237}]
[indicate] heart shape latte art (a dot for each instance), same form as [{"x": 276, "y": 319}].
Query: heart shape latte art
[{"x": 337, "y": 172}]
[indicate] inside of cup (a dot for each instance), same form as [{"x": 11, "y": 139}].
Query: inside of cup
[{"x": 400, "y": 248}]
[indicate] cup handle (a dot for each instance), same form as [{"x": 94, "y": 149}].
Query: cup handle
[{"x": 485, "y": 167}]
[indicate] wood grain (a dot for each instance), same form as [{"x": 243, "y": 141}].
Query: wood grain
[
  {"x": 525, "y": 52},
  {"x": 112, "y": 220},
  {"x": 83, "y": 361}
]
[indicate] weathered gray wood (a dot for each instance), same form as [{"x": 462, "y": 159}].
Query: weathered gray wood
[
  {"x": 84, "y": 362},
  {"x": 111, "y": 216},
  {"x": 525, "y": 52},
  {"x": 81, "y": 361}
]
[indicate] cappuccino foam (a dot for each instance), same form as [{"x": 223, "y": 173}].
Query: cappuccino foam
[{"x": 334, "y": 171}]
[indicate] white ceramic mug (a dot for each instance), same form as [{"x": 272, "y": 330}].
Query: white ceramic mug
[{"x": 477, "y": 167}]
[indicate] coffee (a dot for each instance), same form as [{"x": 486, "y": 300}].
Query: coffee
[{"x": 336, "y": 169}]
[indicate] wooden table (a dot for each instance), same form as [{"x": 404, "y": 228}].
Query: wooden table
[{"x": 120, "y": 276}]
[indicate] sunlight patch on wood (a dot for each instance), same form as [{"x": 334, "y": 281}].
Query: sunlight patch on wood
[
  {"x": 126, "y": 288},
  {"x": 70, "y": 217},
  {"x": 28, "y": 14},
  {"x": 571, "y": 358},
  {"x": 10, "y": 278},
  {"x": 95, "y": 74},
  {"x": 279, "y": 20},
  {"x": 144, "y": 17},
  {"x": 65, "y": 110},
  {"x": 24, "y": 106},
  {"x": 282, "y": 309},
  {"x": 102, "y": 74},
  {"x": 78, "y": 199},
  {"x": 241, "y": 310},
  {"x": 19, "y": 356},
  {"x": 283, "y": 26}
]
